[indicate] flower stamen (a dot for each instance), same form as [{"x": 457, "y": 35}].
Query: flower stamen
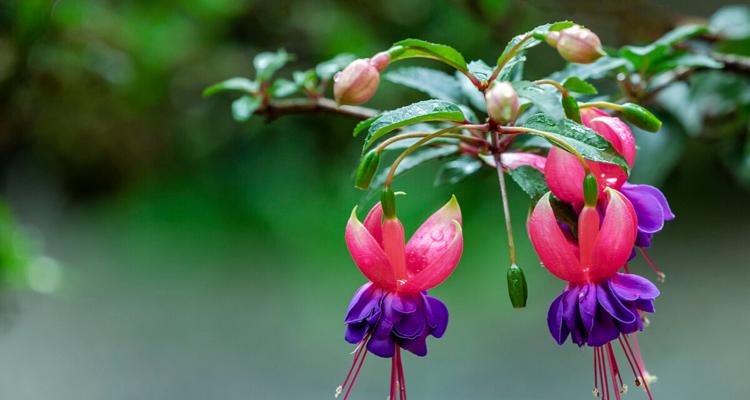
[{"x": 660, "y": 276}]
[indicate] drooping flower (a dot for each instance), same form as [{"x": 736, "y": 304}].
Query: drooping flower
[
  {"x": 393, "y": 310},
  {"x": 599, "y": 304}
]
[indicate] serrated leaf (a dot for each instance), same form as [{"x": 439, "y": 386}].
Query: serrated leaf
[
  {"x": 363, "y": 125},
  {"x": 409, "y": 48},
  {"x": 283, "y": 88},
  {"x": 578, "y": 85},
  {"x": 513, "y": 69},
  {"x": 547, "y": 100},
  {"x": 436, "y": 84},
  {"x": 586, "y": 141},
  {"x": 244, "y": 107},
  {"x": 327, "y": 69},
  {"x": 267, "y": 63},
  {"x": 531, "y": 181},
  {"x": 233, "y": 84},
  {"x": 535, "y": 37},
  {"x": 428, "y": 110},
  {"x": 412, "y": 161},
  {"x": 732, "y": 22},
  {"x": 457, "y": 170}
]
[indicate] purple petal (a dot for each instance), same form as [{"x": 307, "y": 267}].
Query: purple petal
[
  {"x": 571, "y": 316},
  {"x": 604, "y": 330},
  {"x": 645, "y": 200},
  {"x": 631, "y": 287},
  {"x": 366, "y": 302},
  {"x": 437, "y": 315},
  {"x": 355, "y": 332},
  {"x": 555, "y": 320},
  {"x": 587, "y": 305},
  {"x": 382, "y": 343},
  {"x": 645, "y": 305},
  {"x": 612, "y": 304},
  {"x": 417, "y": 346},
  {"x": 405, "y": 303},
  {"x": 410, "y": 326}
]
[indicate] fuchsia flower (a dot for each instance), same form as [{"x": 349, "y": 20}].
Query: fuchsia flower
[
  {"x": 599, "y": 304},
  {"x": 564, "y": 175},
  {"x": 393, "y": 311}
]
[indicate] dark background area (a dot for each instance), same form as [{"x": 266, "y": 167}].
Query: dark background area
[{"x": 192, "y": 257}]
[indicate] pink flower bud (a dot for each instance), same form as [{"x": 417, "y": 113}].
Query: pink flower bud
[
  {"x": 357, "y": 83},
  {"x": 381, "y": 60},
  {"x": 576, "y": 44},
  {"x": 502, "y": 102}
]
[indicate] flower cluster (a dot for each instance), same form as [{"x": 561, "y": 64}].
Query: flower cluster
[{"x": 600, "y": 303}]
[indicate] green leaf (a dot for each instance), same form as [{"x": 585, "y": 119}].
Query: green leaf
[
  {"x": 642, "y": 57},
  {"x": 682, "y": 33},
  {"x": 363, "y": 125},
  {"x": 457, "y": 170},
  {"x": 513, "y": 69},
  {"x": 531, "y": 181},
  {"x": 578, "y": 85},
  {"x": 535, "y": 37},
  {"x": 547, "y": 100},
  {"x": 305, "y": 79},
  {"x": 596, "y": 70},
  {"x": 436, "y": 84},
  {"x": 267, "y": 63},
  {"x": 410, "y": 48},
  {"x": 428, "y": 110},
  {"x": 412, "y": 161},
  {"x": 685, "y": 60},
  {"x": 327, "y": 69},
  {"x": 470, "y": 92},
  {"x": 480, "y": 70},
  {"x": 587, "y": 142},
  {"x": 283, "y": 88},
  {"x": 244, "y": 107},
  {"x": 233, "y": 84},
  {"x": 732, "y": 22}
]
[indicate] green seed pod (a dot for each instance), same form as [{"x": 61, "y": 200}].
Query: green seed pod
[
  {"x": 570, "y": 105},
  {"x": 366, "y": 169},
  {"x": 590, "y": 190},
  {"x": 517, "y": 289},
  {"x": 388, "y": 201},
  {"x": 640, "y": 117}
]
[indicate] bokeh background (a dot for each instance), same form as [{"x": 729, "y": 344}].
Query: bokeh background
[{"x": 186, "y": 256}]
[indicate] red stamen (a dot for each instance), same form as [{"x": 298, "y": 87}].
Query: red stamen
[
  {"x": 596, "y": 370},
  {"x": 613, "y": 371},
  {"x": 603, "y": 374},
  {"x": 394, "y": 374},
  {"x": 402, "y": 380},
  {"x": 354, "y": 379},
  {"x": 638, "y": 366},
  {"x": 362, "y": 345},
  {"x": 659, "y": 275},
  {"x": 632, "y": 368}
]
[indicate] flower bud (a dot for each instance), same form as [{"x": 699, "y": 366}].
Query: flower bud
[
  {"x": 388, "y": 201},
  {"x": 517, "y": 289},
  {"x": 640, "y": 117},
  {"x": 570, "y": 106},
  {"x": 502, "y": 102},
  {"x": 368, "y": 165},
  {"x": 590, "y": 190},
  {"x": 576, "y": 44},
  {"x": 357, "y": 83}
]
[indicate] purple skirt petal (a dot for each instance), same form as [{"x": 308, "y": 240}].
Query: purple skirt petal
[
  {"x": 651, "y": 208},
  {"x": 597, "y": 313}
]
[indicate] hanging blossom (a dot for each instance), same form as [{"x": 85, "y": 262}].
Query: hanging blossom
[
  {"x": 564, "y": 175},
  {"x": 393, "y": 310},
  {"x": 599, "y": 305}
]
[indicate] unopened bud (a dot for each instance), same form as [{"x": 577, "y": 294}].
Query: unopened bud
[
  {"x": 576, "y": 44},
  {"x": 357, "y": 83},
  {"x": 640, "y": 117},
  {"x": 388, "y": 201},
  {"x": 517, "y": 289},
  {"x": 570, "y": 106},
  {"x": 590, "y": 190},
  {"x": 502, "y": 102},
  {"x": 366, "y": 169}
]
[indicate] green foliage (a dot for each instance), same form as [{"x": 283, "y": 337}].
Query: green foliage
[
  {"x": 434, "y": 83},
  {"x": 578, "y": 85},
  {"x": 532, "y": 38},
  {"x": 244, "y": 107},
  {"x": 267, "y": 63},
  {"x": 410, "y": 48},
  {"x": 243, "y": 85},
  {"x": 428, "y": 110},
  {"x": 587, "y": 142},
  {"x": 531, "y": 181},
  {"x": 457, "y": 170}
]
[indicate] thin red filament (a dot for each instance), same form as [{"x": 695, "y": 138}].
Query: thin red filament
[
  {"x": 641, "y": 373},
  {"x": 660, "y": 275}
]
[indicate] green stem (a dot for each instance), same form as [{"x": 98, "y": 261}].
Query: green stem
[
  {"x": 507, "y": 57},
  {"x": 556, "y": 84},
  {"x": 382, "y": 146},
  {"x": 504, "y": 197},
  {"x": 422, "y": 141}
]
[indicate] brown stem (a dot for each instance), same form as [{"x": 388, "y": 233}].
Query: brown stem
[{"x": 277, "y": 108}]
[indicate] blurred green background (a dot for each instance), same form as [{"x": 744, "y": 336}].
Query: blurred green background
[{"x": 192, "y": 257}]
